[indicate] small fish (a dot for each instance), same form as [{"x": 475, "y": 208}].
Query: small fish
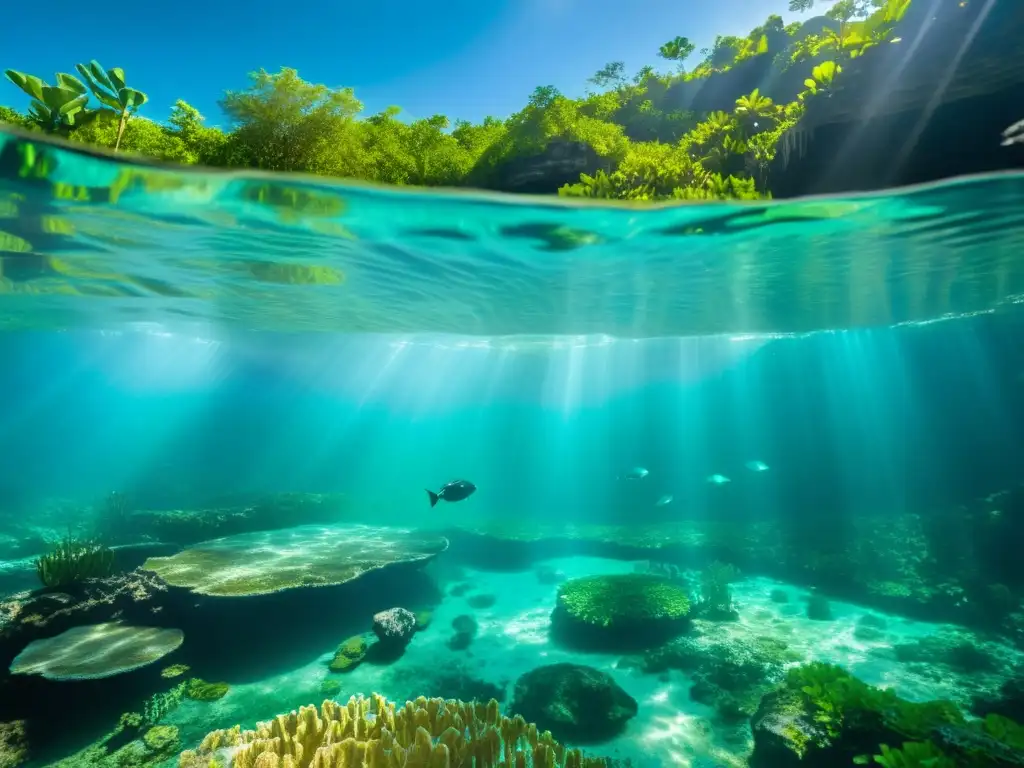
[
  {"x": 664, "y": 500},
  {"x": 636, "y": 473},
  {"x": 457, "y": 490},
  {"x": 718, "y": 479},
  {"x": 757, "y": 466},
  {"x": 1014, "y": 134}
]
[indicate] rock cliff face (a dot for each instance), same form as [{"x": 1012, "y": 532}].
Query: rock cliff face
[
  {"x": 560, "y": 163},
  {"x": 928, "y": 107}
]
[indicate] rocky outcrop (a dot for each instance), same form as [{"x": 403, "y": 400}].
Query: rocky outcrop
[
  {"x": 395, "y": 626},
  {"x": 576, "y": 703},
  {"x": 559, "y": 164},
  {"x": 930, "y": 106}
]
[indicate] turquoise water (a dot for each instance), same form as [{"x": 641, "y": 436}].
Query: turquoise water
[
  {"x": 103, "y": 242},
  {"x": 239, "y": 387}
]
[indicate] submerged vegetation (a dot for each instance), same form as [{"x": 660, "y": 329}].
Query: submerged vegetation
[
  {"x": 646, "y": 145},
  {"x": 72, "y": 561}
]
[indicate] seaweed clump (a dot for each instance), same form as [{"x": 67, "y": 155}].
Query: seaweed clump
[
  {"x": 620, "y": 612},
  {"x": 72, "y": 561},
  {"x": 824, "y": 716},
  {"x": 375, "y": 732}
]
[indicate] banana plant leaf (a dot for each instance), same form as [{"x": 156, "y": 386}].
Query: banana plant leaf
[
  {"x": 95, "y": 73},
  {"x": 116, "y": 77},
  {"x": 30, "y": 84},
  {"x": 55, "y": 97},
  {"x": 64, "y": 80},
  {"x": 132, "y": 99}
]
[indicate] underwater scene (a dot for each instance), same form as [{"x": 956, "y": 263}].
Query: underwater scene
[{"x": 677, "y": 424}]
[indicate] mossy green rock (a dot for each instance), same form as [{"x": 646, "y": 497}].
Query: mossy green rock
[
  {"x": 620, "y": 612},
  {"x": 200, "y": 690},
  {"x": 349, "y": 654},
  {"x": 161, "y": 738},
  {"x": 824, "y": 716}
]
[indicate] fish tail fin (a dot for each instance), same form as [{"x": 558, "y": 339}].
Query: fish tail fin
[{"x": 433, "y": 497}]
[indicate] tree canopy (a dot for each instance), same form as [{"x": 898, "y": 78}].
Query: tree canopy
[{"x": 634, "y": 125}]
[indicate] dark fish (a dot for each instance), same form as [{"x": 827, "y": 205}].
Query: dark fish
[{"x": 457, "y": 490}]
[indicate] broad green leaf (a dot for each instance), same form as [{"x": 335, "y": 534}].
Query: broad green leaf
[
  {"x": 74, "y": 105},
  {"x": 55, "y": 97},
  {"x": 109, "y": 101},
  {"x": 116, "y": 76},
  {"x": 30, "y": 84},
  {"x": 100, "y": 75},
  {"x": 810, "y": 83},
  {"x": 131, "y": 98},
  {"x": 65, "y": 80}
]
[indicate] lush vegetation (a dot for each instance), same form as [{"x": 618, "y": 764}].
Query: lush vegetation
[
  {"x": 72, "y": 561},
  {"x": 652, "y": 150}
]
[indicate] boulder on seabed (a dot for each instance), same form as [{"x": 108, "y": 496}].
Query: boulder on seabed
[{"x": 395, "y": 626}]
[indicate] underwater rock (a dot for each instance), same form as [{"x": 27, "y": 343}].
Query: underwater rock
[
  {"x": 395, "y": 626},
  {"x": 349, "y": 654},
  {"x": 818, "y": 608},
  {"x": 959, "y": 652},
  {"x": 231, "y": 516},
  {"x": 730, "y": 673},
  {"x": 175, "y": 670},
  {"x": 823, "y": 717},
  {"x": 481, "y": 602},
  {"x": 620, "y": 612},
  {"x": 548, "y": 575},
  {"x": 308, "y": 556},
  {"x": 330, "y": 688},
  {"x": 96, "y": 651},
  {"x": 451, "y": 680},
  {"x": 574, "y": 702},
  {"x": 465, "y": 627},
  {"x": 1008, "y": 702},
  {"x": 715, "y": 602},
  {"x": 458, "y": 590},
  {"x": 779, "y": 596},
  {"x": 161, "y": 738}
]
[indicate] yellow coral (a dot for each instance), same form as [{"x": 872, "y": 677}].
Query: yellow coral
[{"x": 375, "y": 733}]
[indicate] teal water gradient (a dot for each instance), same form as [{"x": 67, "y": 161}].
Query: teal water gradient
[{"x": 92, "y": 241}]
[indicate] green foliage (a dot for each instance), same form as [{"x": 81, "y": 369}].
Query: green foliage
[
  {"x": 72, "y": 561},
  {"x": 678, "y": 50},
  {"x": 608, "y": 601},
  {"x": 111, "y": 90},
  {"x": 914, "y": 754},
  {"x": 54, "y": 108},
  {"x": 653, "y": 150}
]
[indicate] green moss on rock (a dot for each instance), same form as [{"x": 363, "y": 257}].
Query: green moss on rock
[
  {"x": 349, "y": 654},
  {"x": 622, "y": 611},
  {"x": 200, "y": 690}
]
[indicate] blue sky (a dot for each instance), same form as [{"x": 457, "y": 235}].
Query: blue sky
[{"x": 471, "y": 59}]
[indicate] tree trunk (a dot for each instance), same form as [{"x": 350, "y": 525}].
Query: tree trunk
[{"x": 120, "y": 129}]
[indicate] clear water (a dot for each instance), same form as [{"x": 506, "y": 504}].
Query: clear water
[
  {"x": 280, "y": 359},
  {"x": 100, "y": 242}
]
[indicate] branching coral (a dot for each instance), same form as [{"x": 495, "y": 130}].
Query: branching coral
[{"x": 374, "y": 732}]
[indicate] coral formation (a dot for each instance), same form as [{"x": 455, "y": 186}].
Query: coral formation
[
  {"x": 375, "y": 732},
  {"x": 349, "y": 654},
  {"x": 730, "y": 674},
  {"x": 96, "y": 651},
  {"x": 175, "y": 670},
  {"x": 619, "y": 611},
  {"x": 13, "y": 744},
  {"x": 308, "y": 556},
  {"x": 161, "y": 738},
  {"x": 200, "y": 690},
  {"x": 72, "y": 561},
  {"x": 575, "y": 702}
]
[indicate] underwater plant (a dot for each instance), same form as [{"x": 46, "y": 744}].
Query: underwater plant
[
  {"x": 72, "y": 561},
  {"x": 375, "y": 732},
  {"x": 715, "y": 595},
  {"x": 200, "y": 690}
]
